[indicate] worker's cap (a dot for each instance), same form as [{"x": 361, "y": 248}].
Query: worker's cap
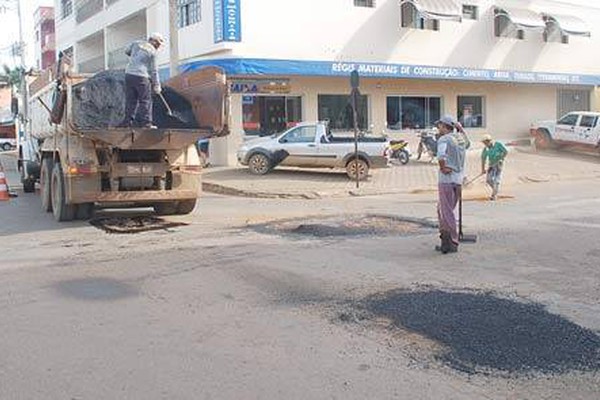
[
  {"x": 446, "y": 120},
  {"x": 158, "y": 37},
  {"x": 486, "y": 138}
]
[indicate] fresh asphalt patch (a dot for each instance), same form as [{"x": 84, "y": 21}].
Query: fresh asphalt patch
[
  {"x": 347, "y": 226},
  {"x": 136, "y": 224},
  {"x": 482, "y": 333}
]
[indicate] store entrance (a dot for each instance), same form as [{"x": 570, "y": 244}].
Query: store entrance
[{"x": 266, "y": 115}]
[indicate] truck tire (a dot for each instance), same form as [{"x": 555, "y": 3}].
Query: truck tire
[
  {"x": 186, "y": 206},
  {"x": 61, "y": 210},
  {"x": 45, "y": 180},
  {"x": 360, "y": 167},
  {"x": 167, "y": 208},
  {"x": 259, "y": 164}
]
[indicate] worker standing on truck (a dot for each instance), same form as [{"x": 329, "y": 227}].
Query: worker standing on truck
[
  {"x": 494, "y": 153},
  {"x": 141, "y": 80}
]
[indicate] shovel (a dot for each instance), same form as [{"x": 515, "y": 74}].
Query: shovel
[{"x": 164, "y": 101}]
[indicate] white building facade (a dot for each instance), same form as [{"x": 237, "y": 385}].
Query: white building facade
[{"x": 495, "y": 65}]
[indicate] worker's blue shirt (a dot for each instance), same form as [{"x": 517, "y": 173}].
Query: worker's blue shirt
[{"x": 142, "y": 60}]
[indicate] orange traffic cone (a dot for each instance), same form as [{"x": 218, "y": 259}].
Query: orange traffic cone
[{"x": 4, "y": 196}]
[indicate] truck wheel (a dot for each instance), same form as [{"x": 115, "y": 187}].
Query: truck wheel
[
  {"x": 357, "y": 167},
  {"x": 186, "y": 206},
  {"x": 259, "y": 164},
  {"x": 61, "y": 210},
  {"x": 169, "y": 208},
  {"x": 45, "y": 180}
]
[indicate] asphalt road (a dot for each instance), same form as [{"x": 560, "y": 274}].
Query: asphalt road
[{"x": 219, "y": 309}]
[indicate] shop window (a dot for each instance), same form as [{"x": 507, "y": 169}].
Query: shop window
[
  {"x": 411, "y": 112},
  {"x": 471, "y": 111},
  {"x": 267, "y": 115},
  {"x": 188, "y": 12},
  {"x": 337, "y": 110},
  {"x": 470, "y": 11},
  {"x": 410, "y": 18},
  {"x": 364, "y": 3}
]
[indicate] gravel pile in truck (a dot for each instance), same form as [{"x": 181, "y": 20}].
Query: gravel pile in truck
[{"x": 99, "y": 102}]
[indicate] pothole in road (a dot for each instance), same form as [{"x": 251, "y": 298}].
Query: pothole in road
[
  {"x": 348, "y": 225},
  {"x": 480, "y": 333},
  {"x": 135, "y": 224}
]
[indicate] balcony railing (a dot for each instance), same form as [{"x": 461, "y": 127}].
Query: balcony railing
[
  {"x": 92, "y": 65},
  {"x": 85, "y": 9}
]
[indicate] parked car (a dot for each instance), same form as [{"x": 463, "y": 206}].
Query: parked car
[
  {"x": 575, "y": 128},
  {"x": 312, "y": 145}
]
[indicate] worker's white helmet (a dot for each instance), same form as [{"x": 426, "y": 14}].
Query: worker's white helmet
[{"x": 158, "y": 37}]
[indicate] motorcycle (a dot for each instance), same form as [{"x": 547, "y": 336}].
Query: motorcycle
[
  {"x": 398, "y": 150},
  {"x": 427, "y": 143}
]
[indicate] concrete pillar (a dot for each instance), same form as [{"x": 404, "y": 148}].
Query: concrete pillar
[
  {"x": 595, "y": 99},
  {"x": 222, "y": 151}
]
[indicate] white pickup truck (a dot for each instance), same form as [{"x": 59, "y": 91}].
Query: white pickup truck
[
  {"x": 312, "y": 145},
  {"x": 580, "y": 128}
]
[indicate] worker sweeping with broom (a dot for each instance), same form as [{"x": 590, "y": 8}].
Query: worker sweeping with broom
[{"x": 493, "y": 156}]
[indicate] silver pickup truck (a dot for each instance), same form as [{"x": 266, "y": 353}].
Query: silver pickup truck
[{"x": 312, "y": 145}]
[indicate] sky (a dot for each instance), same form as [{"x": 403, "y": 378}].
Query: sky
[{"x": 10, "y": 28}]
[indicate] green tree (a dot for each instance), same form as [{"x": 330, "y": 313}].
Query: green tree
[{"x": 12, "y": 77}]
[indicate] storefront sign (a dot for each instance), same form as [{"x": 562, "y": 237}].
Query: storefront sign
[
  {"x": 227, "y": 21},
  {"x": 260, "y": 86},
  {"x": 258, "y": 67}
]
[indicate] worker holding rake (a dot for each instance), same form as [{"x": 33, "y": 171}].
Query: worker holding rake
[{"x": 493, "y": 156}]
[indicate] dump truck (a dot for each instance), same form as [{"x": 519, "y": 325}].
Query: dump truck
[{"x": 81, "y": 167}]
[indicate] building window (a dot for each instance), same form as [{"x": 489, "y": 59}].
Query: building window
[
  {"x": 364, "y": 3},
  {"x": 470, "y": 11},
  {"x": 188, "y": 12},
  {"x": 471, "y": 111},
  {"x": 66, "y": 7},
  {"x": 266, "y": 115},
  {"x": 410, "y": 18},
  {"x": 337, "y": 110},
  {"x": 412, "y": 112}
]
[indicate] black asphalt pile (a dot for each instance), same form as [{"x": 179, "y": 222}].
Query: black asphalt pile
[
  {"x": 99, "y": 102},
  {"x": 483, "y": 333},
  {"x": 351, "y": 225},
  {"x": 133, "y": 224}
]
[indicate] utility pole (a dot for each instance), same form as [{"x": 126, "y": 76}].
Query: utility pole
[{"x": 173, "y": 38}]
